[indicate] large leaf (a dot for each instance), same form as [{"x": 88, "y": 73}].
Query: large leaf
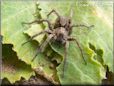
[
  {"x": 12, "y": 68},
  {"x": 13, "y": 14},
  {"x": 98, "y": 38}
]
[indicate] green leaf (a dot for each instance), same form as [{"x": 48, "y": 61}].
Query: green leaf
[
  {"x": 12, "y": 68},
  {"x": 84, "y": 12},
  {"x": 13, "y": 14}
]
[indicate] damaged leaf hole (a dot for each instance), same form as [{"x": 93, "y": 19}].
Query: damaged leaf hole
[
  {"x": 98, "y": 52},
  {"x": 58, "y": 32}
]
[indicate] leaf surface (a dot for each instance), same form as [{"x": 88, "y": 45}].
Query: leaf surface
[{"x": 96, "y": 43}]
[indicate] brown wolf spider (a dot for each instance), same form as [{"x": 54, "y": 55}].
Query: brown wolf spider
[{"x": 59, "y": 32}]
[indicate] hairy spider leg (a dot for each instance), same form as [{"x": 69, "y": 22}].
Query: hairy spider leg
[
  {"x": 42, "y": 46},
  {"x": 42, "y": 32},
  {"x": 39, "y": 21},
  {"x": 65, "y": 57},
  {"x": 73, "y": 39},
  {"x": 82, "y": 26},
  {"x": 53, "y": 11}
]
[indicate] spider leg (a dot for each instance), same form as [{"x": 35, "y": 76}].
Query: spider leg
[
  {"x": 65, "y": 57},
  {"x": 43, "y": 45},
  {"x": 39, "y": 21},
  {"x": 53, "y": 11},
  {"x": 73, "y": 39},
  {"x": 42, "y": 32},
  {"x": 37, "y": 10},
  {"x": 82, "y": 26}
]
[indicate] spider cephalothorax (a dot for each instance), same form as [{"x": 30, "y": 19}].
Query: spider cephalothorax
[
  {"x": 62, "y": 21},
  {"x": 59, "y": 32}
]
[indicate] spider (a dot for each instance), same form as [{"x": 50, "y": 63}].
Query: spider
[{"x": 60, "y": 32}]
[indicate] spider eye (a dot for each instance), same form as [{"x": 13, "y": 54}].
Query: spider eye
[{"x": 69, "y": 21}]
